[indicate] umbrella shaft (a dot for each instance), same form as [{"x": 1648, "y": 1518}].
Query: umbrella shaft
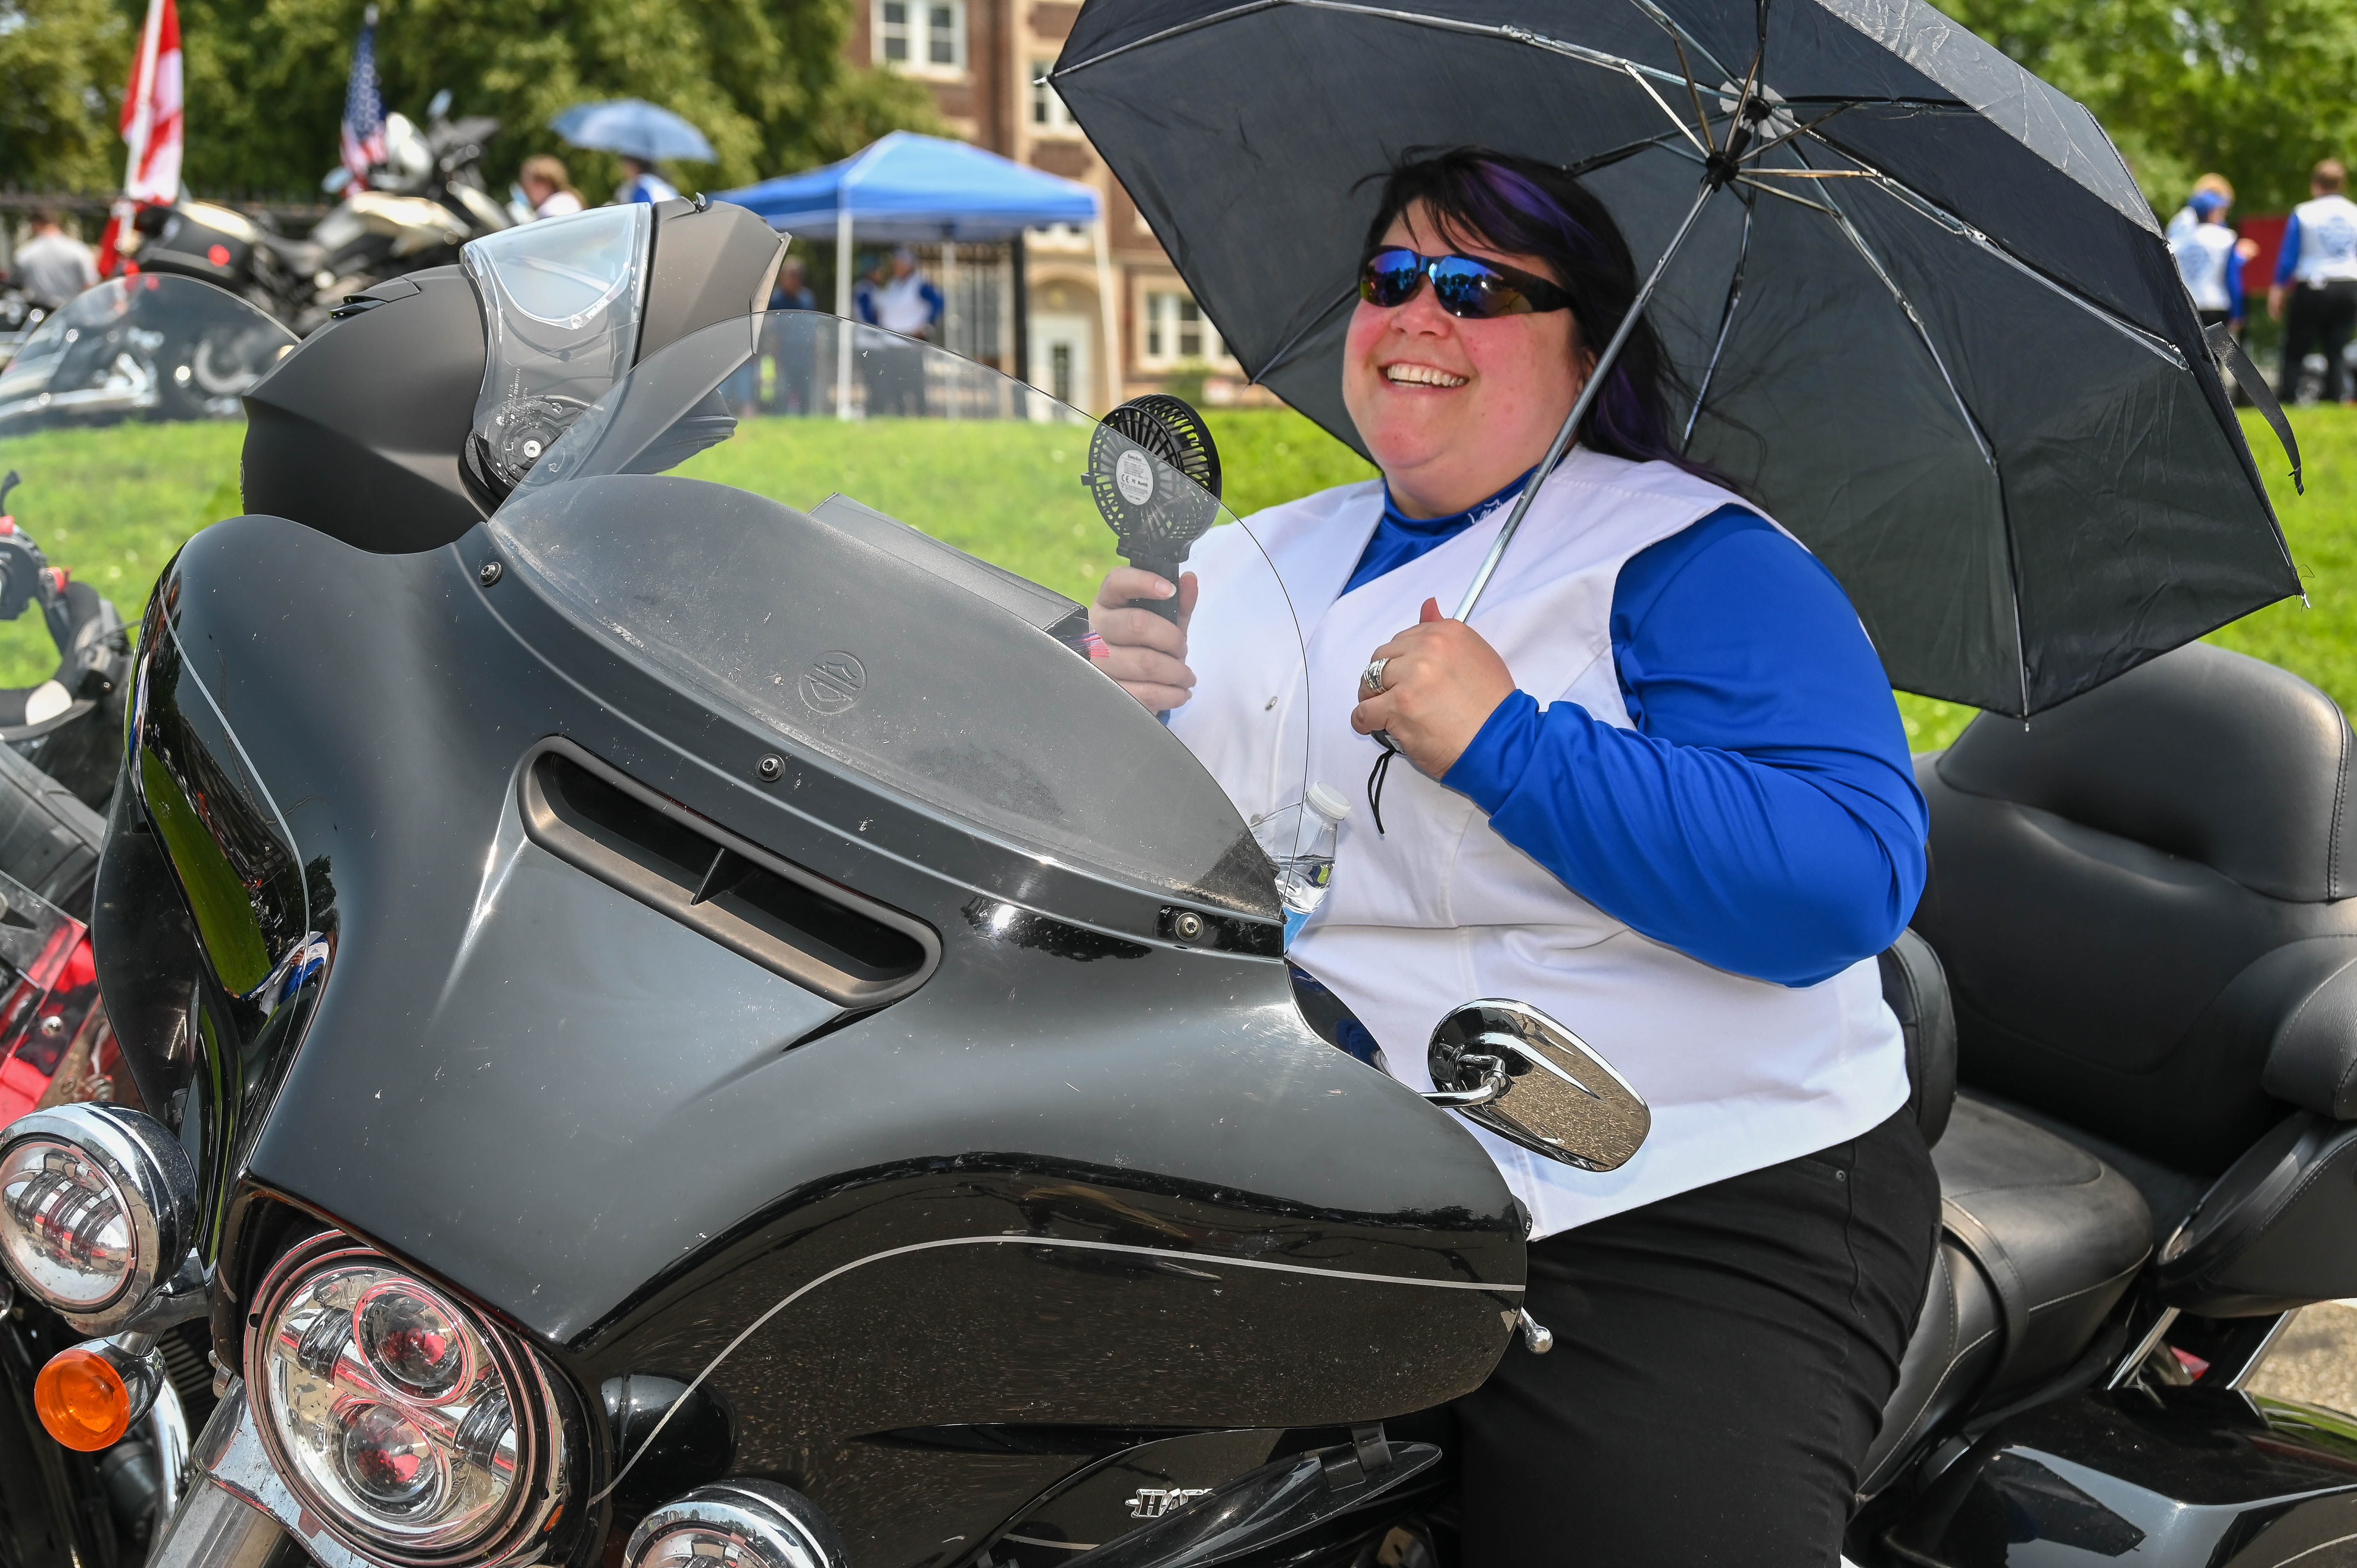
[{"x": 1596, "y": 377}]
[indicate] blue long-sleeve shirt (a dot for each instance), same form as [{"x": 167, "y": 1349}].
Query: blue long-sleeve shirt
[{"x": 1762, "y": 816}]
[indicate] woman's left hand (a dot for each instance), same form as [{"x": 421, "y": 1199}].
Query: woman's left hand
[{"x": 1442, "y": 684}]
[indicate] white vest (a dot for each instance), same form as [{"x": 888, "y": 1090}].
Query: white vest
[
  {"x": 1440, "y": 910},
  {"x": 2204, "y": 259},
  {"x": 2328, "y": 240}
]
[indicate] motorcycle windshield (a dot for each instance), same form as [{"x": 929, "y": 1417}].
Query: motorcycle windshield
[
  {"x": 891, "y": 559},
  {"x": 120, "y": 435}
]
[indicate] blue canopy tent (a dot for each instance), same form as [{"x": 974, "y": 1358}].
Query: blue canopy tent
[{"x": 906, "y": 187}]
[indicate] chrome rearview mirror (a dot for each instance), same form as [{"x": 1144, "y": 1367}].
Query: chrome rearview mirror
[{"x": 1516, "y": 1071}]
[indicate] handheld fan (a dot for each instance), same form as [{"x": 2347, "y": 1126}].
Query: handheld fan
[{"x": 1154, "y": 475}]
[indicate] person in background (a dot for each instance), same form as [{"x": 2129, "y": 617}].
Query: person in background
[
  {"x": 906, "y": 302},
  {"x": 641, "y": 183},
  {"x": 52, "y": 265},
  {"x": 548, "y": 187},
  {"x": 2315, "y": 292},
  {"x": 793, "y": 349},
  {"x": 2209, "y": 259},
  {"x": 2188, "y": 218}
]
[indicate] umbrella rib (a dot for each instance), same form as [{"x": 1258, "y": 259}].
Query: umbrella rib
[
  {"x": 1679, "y": 37},
  {"x": 1676, "y": 118},
  {"x": 1980, "y": 439},
  {"x": 1725, "y": 330},
  {"x": 1201, "y": 22},
  {"x": 1446, "y": 24},
  {"x": 1749, "y": 183},
  {"x": 1630, "y": 150},
  {"x": 1597, "y": 376},
  {"x": 1694, "y": 93},
  {"x": 1764, "y": 148},
  {"x": 1899, "y": 192}
]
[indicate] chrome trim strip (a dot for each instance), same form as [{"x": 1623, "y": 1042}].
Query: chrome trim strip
[
  {"x": 215, "y": 1527},
  {"x": 1167, "y": 1254}
]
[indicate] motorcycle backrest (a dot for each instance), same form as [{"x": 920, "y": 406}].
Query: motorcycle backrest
[
  {"x": 1915, "y": 988},
  {"x": 2133, "y": 894}
]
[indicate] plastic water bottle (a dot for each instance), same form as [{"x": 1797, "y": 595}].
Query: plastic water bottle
[{"x": 1304, "y": 876}]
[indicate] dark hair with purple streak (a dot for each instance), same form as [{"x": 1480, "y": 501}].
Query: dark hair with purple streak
[{"x": 1523, "y": 207}]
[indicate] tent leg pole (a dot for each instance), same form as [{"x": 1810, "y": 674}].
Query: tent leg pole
[
  {"x": 1020, "y": 288},
  {"x": 842, "y": 309},
  {"x": 1110, "y": 309}
]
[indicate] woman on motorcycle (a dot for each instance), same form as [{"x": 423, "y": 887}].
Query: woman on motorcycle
[{"x": 1660, "y": 790}]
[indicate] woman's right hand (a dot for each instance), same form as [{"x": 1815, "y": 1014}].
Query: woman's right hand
[{"x": 1145, "y": 653}]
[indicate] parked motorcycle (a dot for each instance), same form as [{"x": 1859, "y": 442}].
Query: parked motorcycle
[
  {"x": 681, "y": 1017},
  {"x": 151, "y": 347},
  {"x": 422, "y": 203},
  {"x": 68, "y": 725}
]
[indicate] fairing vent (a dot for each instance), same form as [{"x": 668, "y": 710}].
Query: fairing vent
[{"x": 850, "y": 950}]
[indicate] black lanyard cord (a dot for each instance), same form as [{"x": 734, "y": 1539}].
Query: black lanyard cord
[{"x": 1375, "y": 779}]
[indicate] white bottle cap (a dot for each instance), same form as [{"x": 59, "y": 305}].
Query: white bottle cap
[{"x": 1328, "y": 802}]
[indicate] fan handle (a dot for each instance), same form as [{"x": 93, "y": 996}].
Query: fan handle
[{"x": 1167, "y": 570}]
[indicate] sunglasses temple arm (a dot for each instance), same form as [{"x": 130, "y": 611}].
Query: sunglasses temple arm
[{"x": 1596, "y": 379}]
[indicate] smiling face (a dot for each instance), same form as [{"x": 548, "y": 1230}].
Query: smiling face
[{"x": 1453, "y": 410}]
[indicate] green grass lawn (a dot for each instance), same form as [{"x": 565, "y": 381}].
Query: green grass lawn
[{"x": 112, "y": 505}]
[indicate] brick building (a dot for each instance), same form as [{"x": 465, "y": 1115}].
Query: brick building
[{"x": 983, "y": 60}]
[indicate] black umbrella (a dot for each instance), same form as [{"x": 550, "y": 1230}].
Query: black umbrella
[{"x": 1932, "y": 325}]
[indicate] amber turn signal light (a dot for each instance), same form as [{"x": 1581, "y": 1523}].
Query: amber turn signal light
[{"x": 82, "y": 1400}]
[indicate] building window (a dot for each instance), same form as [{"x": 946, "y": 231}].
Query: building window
[
  {"x": 927, "y": 36},
  {"x": 1047, "y": 111},
  {"x": 1177, "y": 331}
]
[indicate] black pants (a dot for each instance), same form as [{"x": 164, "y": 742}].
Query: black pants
[
  {"x": 2319, "y": 318},
  {"x": 1720, "y": 1363}
]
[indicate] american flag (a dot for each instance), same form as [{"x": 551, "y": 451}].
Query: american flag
[{"x": 363, "y": 108}]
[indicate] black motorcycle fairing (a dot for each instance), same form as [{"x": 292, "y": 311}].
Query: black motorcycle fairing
[
  {"x": 712, "y": 262},
  {"x": 2171, "y": 1475},
  {"x": 148, "y": 971},
  {"x": 359, "y": 434},
  {"x": 222, "y": 846},
  {"x": 1057, "y": 1191}
]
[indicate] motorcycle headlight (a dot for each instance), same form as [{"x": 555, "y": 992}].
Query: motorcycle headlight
[
  {"x": 98, "y": 1204},
  {"x": 418, "y": 1431}
]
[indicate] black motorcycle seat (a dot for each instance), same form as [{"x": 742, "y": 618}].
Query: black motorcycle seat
[
  {"x": 2137, "y": 892},
  {"x": 2042, "y": 1239}
]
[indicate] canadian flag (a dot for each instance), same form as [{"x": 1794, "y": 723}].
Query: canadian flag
[{"x": 151, "y": 125}]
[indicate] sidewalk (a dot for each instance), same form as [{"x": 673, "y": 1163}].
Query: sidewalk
[{"x": 2314, "y": 1358}]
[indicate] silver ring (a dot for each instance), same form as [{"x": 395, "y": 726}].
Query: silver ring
[{"x": 1372, "y": 677}]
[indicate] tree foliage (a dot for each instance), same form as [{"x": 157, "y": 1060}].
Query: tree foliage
[
  {"x": 61, "y": 67},
  {"x": 2255, "y": 90},
  {"x": 766, "y": 80}
]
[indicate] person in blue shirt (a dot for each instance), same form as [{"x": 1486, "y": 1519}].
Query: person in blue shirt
[
  {"x": 641, "y": 183},
  {"x": 2315, "y": 292},
  {"x": 1687, "y": 844}
]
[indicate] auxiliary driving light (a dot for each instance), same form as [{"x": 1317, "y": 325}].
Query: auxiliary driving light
[
  {"x": 89, "y": 1395},
  {"x": 98, "y": 1206},
  {"x": 418, "y": 1431},
  {"x": 737, "y": 1524}
]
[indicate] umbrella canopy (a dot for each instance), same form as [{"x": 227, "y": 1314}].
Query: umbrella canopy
[
  {"x": 635, "y": 128},
  {"x": 907, "y": 187},
  {"x": 1925, "y": 314}
]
